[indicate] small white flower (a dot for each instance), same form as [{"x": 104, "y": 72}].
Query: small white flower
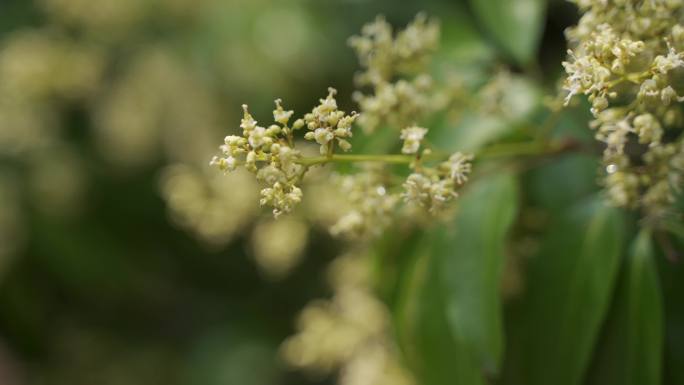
[
  {"x": 257, "y": 137},
  {"x": 323, "y": 136},
  {"x": 666, "y": 63},
  {"x": 459, "y": 167},
  {"x": 417, "y": 187},
  {"x": 649, "y": 130},
  {"x": 344, "y": 145},
  {"x": 248, "y": 123},
  {"x": 233, "y": 140},
  {"x": 350, "y": 223},
  {"x": 280, "y": 115},
  {"x": 329, "y": 103},
  {"x": 224, "y": 164},
  {"x": 299, "y": 123},
  {"x": 412, "y": 137},
  {"x": 250, "y": 161}
]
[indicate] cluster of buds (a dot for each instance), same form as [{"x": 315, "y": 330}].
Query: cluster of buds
[
  {"x": 394, "y": 68},
  {"x": 371, "y": 204},
  {"x": 628, "y": 61},
  {"x": 433, "y": 188},
  {"x": 327, "y": 124},
  {"x": 197, "y": 202},
  {"x": 383, "y": 56},
  {"x": 349, "y": 333},
  {"x": 270, "y": 154}
]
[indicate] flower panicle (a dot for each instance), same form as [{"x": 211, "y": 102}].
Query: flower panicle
[{"x": 627, "y": 61}]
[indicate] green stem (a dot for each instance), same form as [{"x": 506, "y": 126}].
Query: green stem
[
  {"x": 336, "y": 158},
  {"x": 636, "y": 78},
  {"x": 494, "y": 151}
]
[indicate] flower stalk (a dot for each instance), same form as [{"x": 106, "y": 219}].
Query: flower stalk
[{"x": 531, "y": 148}]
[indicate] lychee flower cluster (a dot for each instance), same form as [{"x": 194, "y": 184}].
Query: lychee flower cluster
[
  {"x": 278, "y": 245},
  {"x": 371, "y": 204},
  {"x": 393, "y": 68},
  {"x": 269, "y": 152},
  {"x": 374, "y": 201},
  {"x": 327, "y": 125},
  {"x": 374, "y": 194},
  {"x": 199, "y": 203},
  {"x": 628, "y": 58},
  {"x": 383, "y": 55},
  {"x": 350, "y": 333},
  {"x": 433, "y": 188},
  {"x": 36, "y": 69}
]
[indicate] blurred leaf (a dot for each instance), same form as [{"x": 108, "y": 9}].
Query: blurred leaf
[
  {"x": 451, "y": 321},
  {"x": 461, "y": 44},
  {"x": 432, "y": 350},
  {"x": 392, "y": 256},
  {"x": 519, "y": 99},
  {"x": 234, "y": 355},
  {"x": 516, "y": 25},
  {"x": 565, "y": 180},
  {"x": 474, "y": 132},
  {"x": 472, "y": 262},
  {"x": 633, "y": 346},
  {"x": 672, "y": 283},
  {"x": 562, "y": 181},
  {"x": 644, "y": 313},
  {"x": 573, "y": 124},
  {"x": 569, "y": 289}
]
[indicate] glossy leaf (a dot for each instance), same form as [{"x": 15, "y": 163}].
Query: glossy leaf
[
  {"x": 672, "y": 283},
  {"x": 515, "y": 25},
  {"x": 558, "y": 184},
  {"x": 472, "y": 258},
  {"x": 632, "y": 348},
  {"x": 570, "y": 284},
  {"x": 450, "y": 320},
  {"x": 644, "y": 314},
  {"x": 521, "y": 98}
]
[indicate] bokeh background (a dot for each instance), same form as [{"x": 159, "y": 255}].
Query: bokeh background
[{"x": 125, "y": 259}]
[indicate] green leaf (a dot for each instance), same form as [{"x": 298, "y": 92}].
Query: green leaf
[
  {"x": 449, "y": 320},
  {"x": 672, "y": 283},
  {"x": 644, "y": 314},
  {"x": 515, "y": 25},
  {"x": 477, "y": 128},
  {"x": 562, "y": 181},
  {"x": 472, "y": 259},
  {"x": 632, "y": 347},
  {"x": 462, "y": 45},
  {"x": 441, "y": 356},
  {"x": 570, "y": 284}
]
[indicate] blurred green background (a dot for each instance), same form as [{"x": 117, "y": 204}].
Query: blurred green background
[{"x": 111, "y": 272}]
